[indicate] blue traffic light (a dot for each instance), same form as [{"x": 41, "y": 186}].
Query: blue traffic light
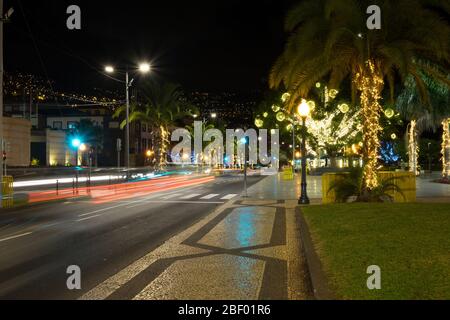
[{"x": 76, "y": 143}]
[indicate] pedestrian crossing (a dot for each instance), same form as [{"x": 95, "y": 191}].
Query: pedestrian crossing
[
  {"x": 194, "y": 197},
  {"x": 210, "y": 196}
]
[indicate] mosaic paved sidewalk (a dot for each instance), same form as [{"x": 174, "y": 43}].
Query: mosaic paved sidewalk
[{"x": 244, "y": 250}]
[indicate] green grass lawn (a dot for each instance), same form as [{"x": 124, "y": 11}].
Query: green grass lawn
[{"x": 409, "y": 242}]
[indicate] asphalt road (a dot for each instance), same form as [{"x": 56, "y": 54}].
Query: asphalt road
[{"x": 39, "y": 242}]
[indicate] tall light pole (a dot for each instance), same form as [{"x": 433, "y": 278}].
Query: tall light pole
[
  {"x": 143, "y": 68},
  {"x": 304, "y": 111},
  {"x": 127, "y": 129}
]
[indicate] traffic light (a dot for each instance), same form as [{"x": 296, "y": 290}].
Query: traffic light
[{"x": 76, "y": 143}]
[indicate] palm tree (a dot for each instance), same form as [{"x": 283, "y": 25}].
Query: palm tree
[
  {"x": 162, "y": 108},
  {"x": 425, "y": 117},
  {"x": 330, "y": 40}
]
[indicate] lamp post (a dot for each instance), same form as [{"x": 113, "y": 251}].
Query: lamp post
[
  {"x": 3, "y": 18},
  {"x": 143, "y": 68},
  {"x": 246, "y": 142},
  {"x": 304, "y": 111}
]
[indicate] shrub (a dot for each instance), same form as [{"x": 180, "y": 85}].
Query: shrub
[{"x": 350, "y": 186}]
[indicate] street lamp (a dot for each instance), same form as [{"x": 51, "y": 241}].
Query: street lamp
[
  {"x": 143, "y": 68},
  {"x": 304, "y": 111}
]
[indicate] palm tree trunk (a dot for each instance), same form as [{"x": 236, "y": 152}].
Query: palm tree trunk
[
  {"x": 163, "y": 147},
  {"x": 370, "y": 82},
  {"x": 413, "y": 147},
  {"x": 446, "y": 148}
]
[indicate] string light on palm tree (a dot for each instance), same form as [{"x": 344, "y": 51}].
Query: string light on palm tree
[
  {"x": 367, "y": 59},
  {"x": 446, "y": 148},
  {"x": 413, "y": 147}
]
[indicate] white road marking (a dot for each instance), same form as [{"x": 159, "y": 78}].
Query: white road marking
[
  {"x": 105, "y": 209},
  {"x": 16, "y": 236},
  {"x": 88, "y": 218},
  {"x": 143, "y": 202},
  {"x": 210, "y": 196},
  {"x": 186, "y": 202},
  {"x": 172, "y": 196},
  {"x": 229, "y": 197},
  {"x": 190, "y": 196}
]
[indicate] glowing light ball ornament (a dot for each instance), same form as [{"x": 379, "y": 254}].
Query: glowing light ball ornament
[
  {"x": 318, "y": 85},
  {"x": 344, "y": 108},
  {"x": 312, "y": 105},
  {"x": 265, "y": 114},
  {"x": 259, "y": 123},
  {"x": 275, "y": 108},
  {"x": 333, "y": 93},
  {"x": 389, "y": 113},
  {"x": 281, "y": 116},
  {"x": 393, "y": 136},
  {"x": 285, "y": 97}
]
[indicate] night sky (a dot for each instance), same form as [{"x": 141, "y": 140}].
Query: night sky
[{"x": 214, "y": 45}]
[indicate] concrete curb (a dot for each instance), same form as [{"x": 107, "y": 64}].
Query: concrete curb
[{"x": 317, "y": 276}]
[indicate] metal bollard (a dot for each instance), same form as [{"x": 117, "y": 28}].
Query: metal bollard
[{"x": 57, "y": 187}]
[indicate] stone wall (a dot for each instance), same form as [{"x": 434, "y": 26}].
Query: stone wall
[
  {"x": 56, "y": 148},
  {"x": 17, "y": 135}
]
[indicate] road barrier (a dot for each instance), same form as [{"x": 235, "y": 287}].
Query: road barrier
[{"x": 7, "y": 186}]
